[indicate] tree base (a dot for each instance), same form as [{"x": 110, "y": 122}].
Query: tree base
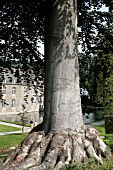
[{"x": 41, "y": 152}]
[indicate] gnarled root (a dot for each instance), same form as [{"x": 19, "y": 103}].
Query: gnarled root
[{"x": 42, "y": 152}]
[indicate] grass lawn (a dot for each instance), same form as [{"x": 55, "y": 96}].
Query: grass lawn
[
  {"x": 16, "y": 123},
  {"x": 108, "y": 137},
  {"x": 91, "y": 165},
  {"x": 101, "y": 129},
  {"x": 15, "y": 139},
  {"x": 11, "y": 140},
  {"x": 4, "y": 128}
]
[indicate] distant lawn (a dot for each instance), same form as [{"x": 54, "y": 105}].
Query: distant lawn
[
  {"x": 7, "y": 141},
  {"x": 100, "y": 129},
  {"x": 16, "y": 123},
  {"x": 4, "y": 128}
]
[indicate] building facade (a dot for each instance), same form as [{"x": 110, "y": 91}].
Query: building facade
[{"x": 18, "y": 98}]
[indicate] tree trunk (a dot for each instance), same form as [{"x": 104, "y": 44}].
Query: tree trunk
[
  {"x": 62, "y": 92},
  {"x": 67, "y": 139}
]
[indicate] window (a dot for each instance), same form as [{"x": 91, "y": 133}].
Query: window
[
  {"x": 32, "y": 100},
  {"x": 13, "y": 103},
  {"x": 3, "y": 90},
  {"x": 13, "y": 81},
  {"x": 13, "y": 90},
  {"x": 3, "y": 103},
  {"x": 4, "y": 80}
]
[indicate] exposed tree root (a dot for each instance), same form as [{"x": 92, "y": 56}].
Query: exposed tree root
[{"x": 50, "y": 152}]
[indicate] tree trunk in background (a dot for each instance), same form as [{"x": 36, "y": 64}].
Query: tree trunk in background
[{"x": 62, "y": 92}]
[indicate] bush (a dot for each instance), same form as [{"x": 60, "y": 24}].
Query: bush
[{"x": 109, "y": 124}]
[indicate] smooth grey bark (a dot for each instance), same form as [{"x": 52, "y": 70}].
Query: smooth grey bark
[{"x": 62, "y": 95}]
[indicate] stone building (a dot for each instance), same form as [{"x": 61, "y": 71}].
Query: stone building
[{"x": 18, "y": 97}]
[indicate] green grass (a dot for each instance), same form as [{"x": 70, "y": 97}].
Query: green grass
[
  {"x": 7, "y": 141},
  {"x": 108, "y": 137},
  {"x": 13, "y": 140},
  {"x": 16, "y": 123},
  {"x": 4, "y": 128},
  {"x": 91, "y": 165},
  {"x": 100, "y": 129}
]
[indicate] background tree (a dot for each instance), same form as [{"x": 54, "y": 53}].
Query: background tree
[
  {"x": 84, "y": 71},
  {"x": 101, "y": 69},
  {"x": 94, "y": 33},
  {"x": 101, "y": 80},
  {"x": 22, "y": 27},
  {"x": 91, "y": 23}
]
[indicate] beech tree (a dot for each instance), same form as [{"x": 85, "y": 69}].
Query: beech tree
[{"x": 62, "y": 137}]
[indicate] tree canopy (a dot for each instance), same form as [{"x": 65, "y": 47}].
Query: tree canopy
[{"x": 23, "y": 26}]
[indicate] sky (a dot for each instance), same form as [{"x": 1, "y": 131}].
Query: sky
[
  {"x": 41, "y": 48},
  {"x": 104, "y": 8}
]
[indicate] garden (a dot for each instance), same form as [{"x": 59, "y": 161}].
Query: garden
[{"x": 8, "y": 142}]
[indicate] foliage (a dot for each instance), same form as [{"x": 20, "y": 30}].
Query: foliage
[
  {"x": 84, "y": 65},
  {"x": 92, "y": 20},
  {"x": 23, "y": 26},
  {"x": 99, "y": 62},
  {"x": 95, "y": 34},
  {"x": 109, "y": 124},
  {"x": 101, "y": 81}
]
